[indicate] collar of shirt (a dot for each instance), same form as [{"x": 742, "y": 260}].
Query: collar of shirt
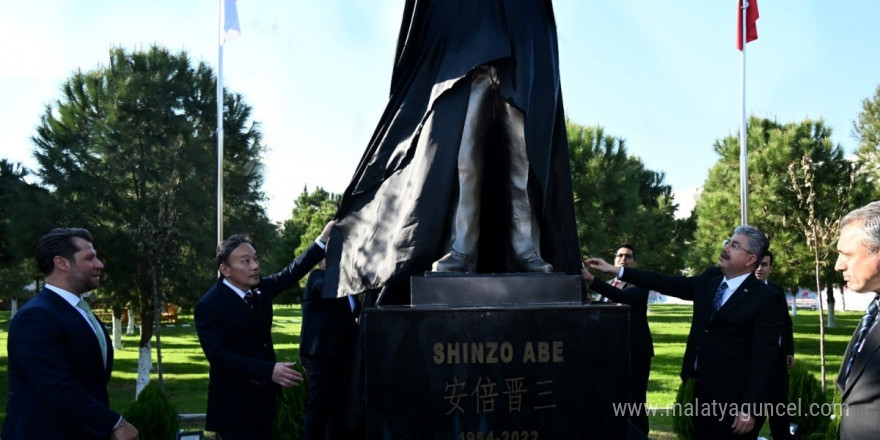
[
  {"x": 72, "y": 298},
  {"x": 732, "y": 285},
  {"x": 234, "y": 289}
]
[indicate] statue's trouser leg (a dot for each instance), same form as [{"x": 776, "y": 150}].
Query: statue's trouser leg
[
  {"x": 466, "y": 221},
  {"x": 524, "y": 230}
]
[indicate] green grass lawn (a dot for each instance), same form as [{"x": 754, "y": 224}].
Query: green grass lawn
[{"x": 185, "y": 370}]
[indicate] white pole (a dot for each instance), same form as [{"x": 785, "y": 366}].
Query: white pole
[
  {"x": 220, "y": 125},
  {"x": 743, "y": 127}
]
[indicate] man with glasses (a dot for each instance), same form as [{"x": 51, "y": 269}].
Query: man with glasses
[
  {"x": 733, "y": 341},
  {"x": 641, "y": 346}
]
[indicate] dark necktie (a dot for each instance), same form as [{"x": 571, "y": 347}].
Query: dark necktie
[
  {"x": 249, "y": 298},
  {"x": 864, "y": 326},
  {"x": 716, "y": 302}
]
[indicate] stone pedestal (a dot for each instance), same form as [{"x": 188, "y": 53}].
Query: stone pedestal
[{"x": 536, "y": 365}]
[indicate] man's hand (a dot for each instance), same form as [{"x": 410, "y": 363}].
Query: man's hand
[
  {"x": 743, "y": 423},
  {"x": 125, "y": 431},
  {"x": 789, "y": 361},
  {"x": 325, "y": 234},
  {"x": 285, "y": 375},
  {"x": 601, "y": 265},
  {"x": 586, "y": 275}
]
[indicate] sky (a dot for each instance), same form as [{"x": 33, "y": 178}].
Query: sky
[{"x": 663, "y": 75}]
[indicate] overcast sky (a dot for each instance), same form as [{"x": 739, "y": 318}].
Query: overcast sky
[{"x": 664, "y": 75}]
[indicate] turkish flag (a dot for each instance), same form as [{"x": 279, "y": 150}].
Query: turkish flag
[{"x": 751, "y": 26}]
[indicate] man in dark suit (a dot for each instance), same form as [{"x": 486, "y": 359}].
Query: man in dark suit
[
  {"x": 329, "y": 328},
  {"x": 641, "y": 347},
  {"x": 234, "y": 324},
  {"x": 734, "y": 338},
  {"x": 60, "y": 356},
  {"x": 780, "y": 425},
  {"x": 859, "y": 378}
]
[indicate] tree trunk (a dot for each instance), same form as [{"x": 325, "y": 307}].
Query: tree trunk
[
  {"x": 818, "y": 265},
  {"x": 145, "y": 364},
  {"x": 829, "y": 293},
  {"x": 158, "y": 319},
  {"x": 130, "y": 327},
  {"x": 13, "y": 307},
  {"x": 793, "y": 294},
  {"x": 117, "y": 332}
]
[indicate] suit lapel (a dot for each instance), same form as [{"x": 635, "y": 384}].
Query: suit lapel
[
  {"x": 869, "y": 348},
  {"x": 741, "y": 293},
  {"x": 72, "y": 316}
]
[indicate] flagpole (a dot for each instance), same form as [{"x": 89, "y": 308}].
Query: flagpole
[
  {"x": 743, "y": 126},
  {"x": 220, "y": 34}
]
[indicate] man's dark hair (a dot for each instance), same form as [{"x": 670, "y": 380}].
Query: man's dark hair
[
  {"x": 628, "y": 246},
  {"x": 769, "y": 254},
  {"x": 59, "y": 242},
  {"x": 225, "y": 248}
]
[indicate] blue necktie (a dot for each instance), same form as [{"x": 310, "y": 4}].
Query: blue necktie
[
  {"x": 716, "y": 302},
  {"x": 864, "y": 326}
]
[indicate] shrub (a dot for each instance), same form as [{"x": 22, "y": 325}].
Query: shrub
[
  {"x": 681, "y": 421},
  {"x": 153, "y": 415},
  {"x": 805, "y": 389},
  {"x": 291, "y": 412}
]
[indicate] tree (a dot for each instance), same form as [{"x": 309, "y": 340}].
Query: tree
[
  {"x": 20, "y": 229},
  {"x": 773, "y": 206},
  {"x": 867, "y": 130},
  {"x": 311, "y": 212},
  {"x": 129, "y": 149},
  {"x": 618, "y": 200}
]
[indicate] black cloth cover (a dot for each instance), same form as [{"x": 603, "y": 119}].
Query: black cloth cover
[{"x": 395, "y": 215}]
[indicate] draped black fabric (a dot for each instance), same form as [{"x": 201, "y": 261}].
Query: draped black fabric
[{"x": 394, "y": 218}]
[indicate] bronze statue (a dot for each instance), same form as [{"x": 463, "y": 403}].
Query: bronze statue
[{"x": 468, "y": 168}]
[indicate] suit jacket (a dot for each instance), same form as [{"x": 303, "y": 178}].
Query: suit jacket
[
  {"x": 328, "y": 325},
  {"x": 237, "y": 341},
  {"x": 787, "y": 326},
  {"x": 738, "y": 349},
  {"x": 57, "y": 377},
  {"x": 861, "y": 394},
  {"x": 641, "y": 344}
]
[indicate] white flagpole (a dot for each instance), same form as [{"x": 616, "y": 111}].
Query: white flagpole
[
  {"x": 220, "y": 34},
  {"x": 743, "y": 127}
]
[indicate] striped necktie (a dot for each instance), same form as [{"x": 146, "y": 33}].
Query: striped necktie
[
  {"x": 96, "y": 326},
  {"x": 717, "y": 300},
  {"x": 249, "y": 298},
  {"x": 864, "y": 326}
]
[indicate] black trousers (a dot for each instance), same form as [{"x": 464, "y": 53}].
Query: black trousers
[
  {"x": 709, "y": 427},
  {"x": 326, "y": 380}
]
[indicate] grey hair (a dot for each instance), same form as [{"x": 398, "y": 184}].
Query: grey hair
[
  {"x": 869, "y": 217},
  {"x": 758, "y": 242}
]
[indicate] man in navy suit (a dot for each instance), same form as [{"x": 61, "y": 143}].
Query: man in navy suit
[
  {"x": 859, "y": 377},
  {"x": 60, "y": 356},
  {"x": 329, "y": 329},
  {"x": 641, "y": 346},
  {"x": 234, "y": 324},
  {"x": 733, "y": 343}
]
